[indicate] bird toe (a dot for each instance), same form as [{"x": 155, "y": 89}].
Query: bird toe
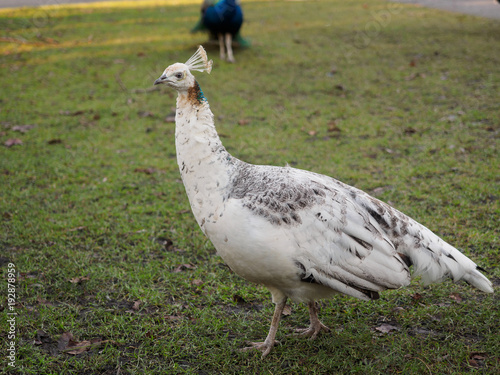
[
  {"x": 264, "y": 346},
  {"x": 312, "y": 331}
]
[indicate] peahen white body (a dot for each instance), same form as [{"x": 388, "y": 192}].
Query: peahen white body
[{"x": 303, "y": 235}]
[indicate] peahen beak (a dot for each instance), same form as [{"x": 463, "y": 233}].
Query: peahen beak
[{"x": 160, "y": 80}]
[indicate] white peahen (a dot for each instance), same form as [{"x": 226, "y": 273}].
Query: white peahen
[{"x": 303, "y": 235}]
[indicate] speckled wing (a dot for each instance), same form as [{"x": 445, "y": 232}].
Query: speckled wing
[
  {"x": 342, "y": 245},
  {"x": 346, "y": 239}
]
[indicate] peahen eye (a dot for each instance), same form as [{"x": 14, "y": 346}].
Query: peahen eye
[{"x": 178, "y": 75}]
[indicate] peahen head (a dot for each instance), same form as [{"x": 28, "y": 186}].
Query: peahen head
[{"x": 178, "y": 75}]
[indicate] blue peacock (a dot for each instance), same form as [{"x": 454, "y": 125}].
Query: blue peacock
[{"x": 223, "y": 19}]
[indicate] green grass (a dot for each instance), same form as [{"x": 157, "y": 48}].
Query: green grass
[{"x": 94, "y": 190}]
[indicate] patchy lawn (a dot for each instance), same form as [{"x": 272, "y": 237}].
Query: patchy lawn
[{"x": 113, "y": 276}]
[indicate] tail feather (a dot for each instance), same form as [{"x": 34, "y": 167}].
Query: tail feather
[
  {"x": 477, "y": 279},
  {"x": 430, "y": 257},
  {"x": 440, "y": 261}
]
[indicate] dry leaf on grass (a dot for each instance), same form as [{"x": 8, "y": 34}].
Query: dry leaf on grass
[
  {"x": 182, "y": 267},
  {"x": 172, "y": 317},
  {"x": 197, "y": 282},
  {"x": 79, "y": 280},
  {"x": 287, "y": 310},
  {"x": 22, "y": 128},
  {"x": 417, "y": 297},
  {"x": 145, "y": 170},
  {"x": 476, "y": 359},
  {"x": 68, "y": 345},
  {"x": 71, "y": 113},
  {"x": 13, "y": 142},
  {"x": 76, "y": 229},
  {"x": 42, "y": 337},
  {"x": 145, "y": 114},
  {"x": 332, "y": 127},
  {"x": 387, "y": 328}
]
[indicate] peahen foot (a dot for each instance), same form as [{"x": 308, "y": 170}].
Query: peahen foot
[
  {"x": 316, "y": 326},
  {"x": 264, "y": 346}
]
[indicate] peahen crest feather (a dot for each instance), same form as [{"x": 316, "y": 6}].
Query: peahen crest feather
[{"x": 199, "y": 61}]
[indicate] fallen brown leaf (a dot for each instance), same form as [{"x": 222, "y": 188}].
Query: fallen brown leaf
[
  {"x": 412, "y": 76},
  {"x": 387, "y": 328},
  {"x": 478, "y": 356},
  {"x": 287, "y": 310},
  {"x": 13, "y": 142},
  {"x": 22, "y": 128},
  {"x": 473, "y": 363},
  {"x": 417, "y": 297},
  {"x": 71, "y": 113},
  {"x": 409, "y": 130},
  {"x": 136, "y": 305},
  {"x": 68, "y": 345},
  {"x": 243, "y": 122},
  {"x": 76, "y": 229},
  {"x": 332, "y": 127},
  {"x": 145, "y": 170},
  {"x": 78, "y": 347},
  {"x": 64, "y": 340},
  {"x": 27, "y": 275},
  {"x": 145, "y": 114},
  {"x": 379, "y": 190},
  {"x": 332, "y": 71},
  {"x": 79, "y": 280},
  {"x": 456, "y": 297},
  {"x": 182, "y": 267},
  {"x": 172, "y": 317},
  {"x": 42, "y": 337},
  {"x": 167, "y": 243}
]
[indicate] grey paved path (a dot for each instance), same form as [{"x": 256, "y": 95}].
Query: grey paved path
[
  {"x": 482, "y": 8},
  {"x": 36, "y": 3}
]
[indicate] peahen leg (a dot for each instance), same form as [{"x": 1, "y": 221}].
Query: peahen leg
[
  {"x": 229, "y": 46},
  {"x": 266, "y": 346},
  {"x": 221, "y": 47},
  {"x": 316, "y": 326}
]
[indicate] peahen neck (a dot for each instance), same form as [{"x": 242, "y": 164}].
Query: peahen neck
[{"x": 205, "y": 165}]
